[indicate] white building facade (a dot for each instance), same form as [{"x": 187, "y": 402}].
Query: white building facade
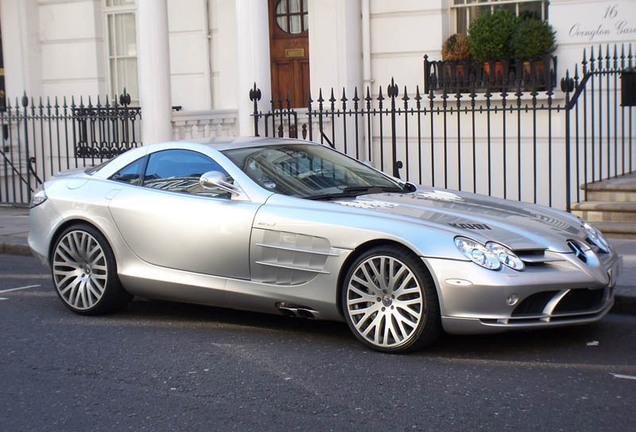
[
  {"x": 190, "y": 64},
  {"x": 217, "y": 49}
]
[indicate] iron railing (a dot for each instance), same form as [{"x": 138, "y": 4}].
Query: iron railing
[
  {"x": 529, "y": 143},
  {"x": 473, "y": 76},
  {"x": 44, "y": 136}
]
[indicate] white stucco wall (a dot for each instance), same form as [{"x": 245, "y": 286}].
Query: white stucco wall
[
  {"x": 581, "y": 24},
  {"x": 189, "y": 54},
  {"x": 402, "y": 32},
  {"x": 335, "y": 46}
]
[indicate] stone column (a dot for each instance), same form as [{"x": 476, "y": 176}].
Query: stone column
[
  {"x": 22, "y": 57},
  {"x": 154, "y": 70},
  {"x": 253, "y": 58}
]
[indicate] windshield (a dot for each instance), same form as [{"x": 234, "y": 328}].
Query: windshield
[{"x": 310, "y": 171}]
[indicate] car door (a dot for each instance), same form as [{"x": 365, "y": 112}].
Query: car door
[{"x": 169, "y": 220}]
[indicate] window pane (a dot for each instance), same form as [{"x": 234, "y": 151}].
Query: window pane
[
  {"x": 125, "y": 42},
  {"x": 291, "y": 16},
  {"x": 111, "y": 35},
  {"x": 131, "y": 173},
  {"x": 111, "y": 3},
  {"x": 295, "y": 24},
  {"x": 533, "y": 10},
  {"x": 281, "y": 7},
  {"x": 510, "y": 7},
  {"x": 179, "y": 171},
  {"x": 294, "y": 6},
  {"x": 127, "y": 78},
  {"x": 467, "y": 10},
  {"x": 282, "y": 23}
]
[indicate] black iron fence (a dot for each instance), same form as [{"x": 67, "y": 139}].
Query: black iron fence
[
  {"x": 42, "y": 137},
  {"x": 524, "y": 140}
]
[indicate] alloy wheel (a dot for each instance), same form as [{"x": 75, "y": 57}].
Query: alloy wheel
[
  {"x": 384, "y": 301},
  {"x": 80, "y": 270}
]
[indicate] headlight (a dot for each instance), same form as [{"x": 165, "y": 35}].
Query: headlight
[
  {"x": 477, "y": 253},
  {"x": 596, "y": 237},
  {"x": 505, "y": 256},
  {"x": 490, "y": 256},
  {"x": 38, "y": 198}
]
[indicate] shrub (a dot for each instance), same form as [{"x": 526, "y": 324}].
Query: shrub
[
  {"x": 532, "y": 39},
  {"x": 456, "y": 48},
  {"x": 489, "y": 35}
]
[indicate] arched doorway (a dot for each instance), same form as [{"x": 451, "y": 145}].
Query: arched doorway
[{"x": 289, "y": 50}]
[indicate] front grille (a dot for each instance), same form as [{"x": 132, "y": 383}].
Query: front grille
[
  {"x": 581, "y": 300},
  {"x": 534, "y": 304},
  {"x": 572, "y": 301}
]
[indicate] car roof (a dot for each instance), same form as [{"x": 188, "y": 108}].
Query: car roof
[{"x": 221, "y": 144}]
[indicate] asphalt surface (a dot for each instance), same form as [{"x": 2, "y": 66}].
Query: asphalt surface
[{"x": 163, "y": 367}]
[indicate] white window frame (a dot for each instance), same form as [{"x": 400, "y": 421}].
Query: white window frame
[
  {"x": 111, "y": 75},
  {"x": 465, "y": 6}
]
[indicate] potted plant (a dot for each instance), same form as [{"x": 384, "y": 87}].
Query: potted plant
[
  {"x": 533, "y": 41},
  {"x": 455, "y": 52},
  {"x": 489, "y": 39}
]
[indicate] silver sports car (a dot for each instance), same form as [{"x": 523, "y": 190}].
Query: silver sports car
[{"x": 296, "y": 228}]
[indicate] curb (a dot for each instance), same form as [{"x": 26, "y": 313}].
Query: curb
[{"x": 15, "y": 249}]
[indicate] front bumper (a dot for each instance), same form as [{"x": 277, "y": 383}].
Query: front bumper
[{"x": 474, "y": 300}]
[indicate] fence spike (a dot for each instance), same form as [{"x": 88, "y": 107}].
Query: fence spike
[
  {"x": 255, "y": 93},
  {"x": 309, "y": 99},
  {"x": 380, "y": 97},
  {"x": 405, "y": 98},
  {"x": 622, "y": 56}
]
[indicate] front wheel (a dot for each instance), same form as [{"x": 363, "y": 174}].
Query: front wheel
[
  {"x": 85, "y": 273},
  {"x": 389, "y": 301}
]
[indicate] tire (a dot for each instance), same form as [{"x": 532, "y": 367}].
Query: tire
[
  {"x": 85, "y": 272},
  {"x": 389, "y": 301}
]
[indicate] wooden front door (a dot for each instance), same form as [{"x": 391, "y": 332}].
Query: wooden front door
[{"x": 289, "y": 50}]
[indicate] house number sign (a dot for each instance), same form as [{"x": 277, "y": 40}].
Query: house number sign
[{"x": 612, "y": 21}]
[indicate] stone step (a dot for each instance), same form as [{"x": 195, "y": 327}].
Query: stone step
[
  {"x": 605, "y": 211},
  {"x": 621, "y": 188},
  {"x": 618, "y": 230},
  {"x": 612, "y": 195}
]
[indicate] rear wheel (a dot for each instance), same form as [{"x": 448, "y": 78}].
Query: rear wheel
[
  {"x": 389, "y": 301},
  {"x": 85, "y": 272}
]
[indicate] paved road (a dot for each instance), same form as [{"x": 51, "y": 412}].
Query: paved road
[{"x": 163, "y": 367}]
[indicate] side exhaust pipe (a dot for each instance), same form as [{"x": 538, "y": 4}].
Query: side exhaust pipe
[{"x": 297, "y": 311}]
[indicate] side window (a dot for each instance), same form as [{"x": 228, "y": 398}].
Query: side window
[
  {"x": 179, "y": 171},
  {"x": 131, "y": 173}
]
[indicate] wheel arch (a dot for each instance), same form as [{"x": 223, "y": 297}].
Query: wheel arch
[
  {"x": 66, "y": 224},
  {"x": 361, "y": 249}
]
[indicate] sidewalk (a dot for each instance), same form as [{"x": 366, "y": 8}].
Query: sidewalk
[{"x": 14, "y": 227}]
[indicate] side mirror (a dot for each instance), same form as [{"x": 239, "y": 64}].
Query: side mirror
[{"x": 218, "y": 180}]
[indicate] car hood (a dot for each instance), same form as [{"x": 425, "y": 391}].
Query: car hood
[{"x": 518, "y": 225}]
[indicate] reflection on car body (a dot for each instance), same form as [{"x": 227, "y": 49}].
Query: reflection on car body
[{"x": 292, "y": 227}]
